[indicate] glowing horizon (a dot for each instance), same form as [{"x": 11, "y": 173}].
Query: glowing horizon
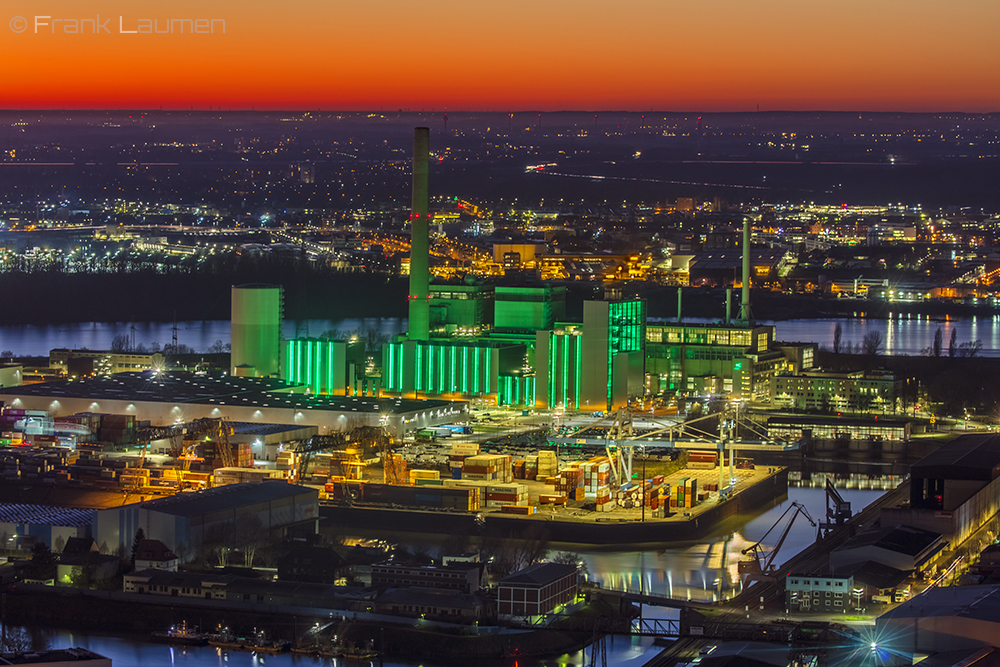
[{"x": 634, "y": 55}]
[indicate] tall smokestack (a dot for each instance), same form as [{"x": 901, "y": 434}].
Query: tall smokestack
[
  {"x": 745, "y": 303},
  {"x": 729, "y": 304},
  {"x": 680, "y": 291},
  {"x": 419, "y": 221}
]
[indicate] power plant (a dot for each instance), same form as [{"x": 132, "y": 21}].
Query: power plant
[{"x": 257, "y": 313}]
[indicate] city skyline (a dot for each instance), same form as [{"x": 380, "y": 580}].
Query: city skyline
[{"x": 726, "y": 56}]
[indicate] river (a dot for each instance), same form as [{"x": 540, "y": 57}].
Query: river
[{"x": 901, "y": 335}]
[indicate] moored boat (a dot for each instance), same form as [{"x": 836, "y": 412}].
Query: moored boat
[{"x": 181, "y": 634}]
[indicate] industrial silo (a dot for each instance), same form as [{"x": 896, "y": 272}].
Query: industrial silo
[{"x": 256, "y": 330}]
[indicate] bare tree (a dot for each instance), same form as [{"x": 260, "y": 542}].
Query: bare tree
[
  {"x": 249, "y": 535},
  {"x": 838, "y": 338},
  {"x": 508, "y": 553},
  {"x": 121, "y": 343},
  {"x": 938, "y": 342},
  {"x": 181, "y": 551},
  {"x": 872, "y": 343},
  {"x": 18, "y": 640},
  {"x": 970, "y": 349},
  {"x": 953, "y": 343},
  {"x": 219, "y": 541},
  {"x": 571, "y": 558}
]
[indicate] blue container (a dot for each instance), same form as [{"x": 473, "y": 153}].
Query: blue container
[{"x": 456, "y": 473}]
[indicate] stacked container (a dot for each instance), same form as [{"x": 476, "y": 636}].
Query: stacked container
[
  {"x": 531, "y": 466},
  {"x": 488, "y": 468},
  {"x": 498, "y": 495},
  {"x": 289, "y": 461},
  {"x": 418, "y": 475},
  {"x": 596, "y": 477},
  {"x": 547, "y": 465},
  {"x": 704, "y": 460},
  {"x": 460, "y": 452},
  {"x": 570, "y": 483},
  {"x": 685, "y": 494}
]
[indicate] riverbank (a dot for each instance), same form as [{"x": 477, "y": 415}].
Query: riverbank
[
  {"x": 311, "y": 293},
  {"x": 136, "y": 617}
]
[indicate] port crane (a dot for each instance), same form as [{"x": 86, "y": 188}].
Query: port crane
[
  {"x": 621, "y": 441},
  {"x": 761, "y": 567},
  {"x": 352, "y": 446}
]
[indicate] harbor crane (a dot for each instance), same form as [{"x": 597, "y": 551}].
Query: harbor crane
[
  {"x": 621, "y": 440},
  {"x": 761, "y": 567}
]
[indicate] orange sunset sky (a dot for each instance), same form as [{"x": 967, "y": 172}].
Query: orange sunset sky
[{"x": 721, "y": 55}]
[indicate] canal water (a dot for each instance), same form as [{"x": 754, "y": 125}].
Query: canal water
[
  {"x": 702, "y": 570},
  {"x": 135, "y": 653},
  {"x": 900, "y": 335}
]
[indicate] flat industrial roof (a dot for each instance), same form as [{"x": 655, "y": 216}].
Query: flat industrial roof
[
  {"x": 252, "y": 428},
  {"x": 45, "y": 515},
  {"x": 214, "y": 389},
  {"x": 973, "y": 602},
  {"x": 795, "y": 420},
  {"x": 226, "y": 497},
  {"x": 540, "y": 574},
  {"x": 901, "y": 539},
  {"x": 970, "y": 457}
]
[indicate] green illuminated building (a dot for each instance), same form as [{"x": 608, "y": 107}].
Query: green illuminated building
[
  {"x": 333, "y": 367},
  {"x": 736, "y": 359},
  {"x": 559, "y": 367},
  {"x": 449, "y": 366},
  {"x": 613, "y": 349},
  {"x": 255, "y": 335},
  {"x": 461, "y": 308},
  {"x": 529, "y": 308}
]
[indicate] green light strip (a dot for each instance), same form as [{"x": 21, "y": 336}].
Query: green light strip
[
  {"x": 329, "y": 367},
  {"x": 475, "y": 377},
  {"x": 317, "y": 380},
  {"x": 419, "y": 369},
  {"x": 452, "y": 385},
  {"x": 465, "y": 370},
  {"x": 488, "y": 358},
  {"x": 579, "y": 361},
  {"x": 553, "y": 347},
  {"x": 565, "y": 382},
  {"x": 399, "y": 367}
]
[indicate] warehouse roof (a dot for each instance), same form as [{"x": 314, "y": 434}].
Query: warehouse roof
[
  {"x": 876, "y": 575},
  {"x": 833, "y": 421},
  {"x": 230, "y": 496},
  {"x": 45, "y": 515},
  {"x": 976, "y": 602},
  {"x": 252, "y": 428},
  {"x": 55, "y": 657},
  {"x": 971, "y": 457},
  {"x": 901, "y": 539},
  {"x": 214, "y": 389},
  {"x": 540, "y": 574}
]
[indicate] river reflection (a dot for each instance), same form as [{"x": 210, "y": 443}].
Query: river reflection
[
  {"x": 703, "y": 570},
  {"x": 901, "y": 335},
  {"x": 707, "y": 570},
  {"x": 127, "y": 652}
]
